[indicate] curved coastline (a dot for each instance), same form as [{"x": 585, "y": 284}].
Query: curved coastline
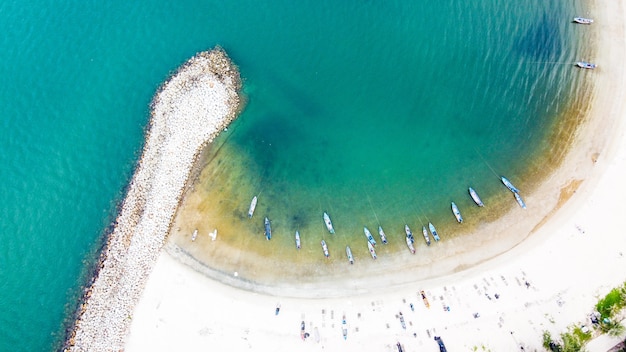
[
  {"x": 189, "y": 110},
  {"x": 552, "y": 257}
]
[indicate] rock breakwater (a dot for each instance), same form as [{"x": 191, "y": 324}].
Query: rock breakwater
[{"x": 188, "y": 111}]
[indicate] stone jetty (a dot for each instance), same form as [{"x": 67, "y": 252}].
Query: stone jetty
[{"x": 188, "y": 111}]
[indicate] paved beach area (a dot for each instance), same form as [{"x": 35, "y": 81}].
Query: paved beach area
[
  {"x": 189, "y": 110},
  {"x": 552, "y": 279}
]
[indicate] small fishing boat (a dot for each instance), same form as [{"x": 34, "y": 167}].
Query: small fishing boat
[
  {"x": 372, "y": 250},
  {"x": 426, "y": 237},
  {"x": 268, "y": 229},
  {"x": 329, "y": 224},
  {"x": 349, "y": 254},
  {"x": 252, "y": 207},
  {"x": 509, "y": 185},
  {"x": 433, "y": 231},
  {"x": 369, "y": 236},
  {"x": 383, "y": 238},
  {"x": 520, "y": 201},
  {"x": 298, "y": 239},
  {"x": 213, "y": 234},
  {"x": 344, "y": 328},
  {"x": 457, "y": 213},
  {"x": 586, "y": 65},
  {"x": 582, "y": 20},
  {"x": 194, "y": 235},
  {"x": 475, "y": 197},
  {"x": 325, "y": 249},
  {"x": 409, "y": 234},
  {"x": 409, "y": 243}
]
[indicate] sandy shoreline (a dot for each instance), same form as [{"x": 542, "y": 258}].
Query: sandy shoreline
[
  {"x": 189, "y": 110},
  {"x": 567, "y": 262}
]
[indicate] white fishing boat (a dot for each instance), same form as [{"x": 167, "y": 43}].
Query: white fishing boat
[
  {"x": 475, "y": 197},
  {"x": 344, "y": 328},
  {"x": 268, "y": 229},
  {"x": 426, "y": 237},
  {"x": 213, "y": 235},
  {"x": 409, "y": 244},
  {"x": 349, "y": 254},
  {"x": 433, "y": 231},
  {"x": 582, "y": 20},
  {"x": 325, "y": 249},
  {"x": 372, "y": 250},
  {"x": 252, "y": 207},
  {"x": 586, "y": 65},
  {"x": 509, "y": 185},
  {"x": 409, "y": 234},
  {"x": 457, "y": 213},
  {"x": 298, "y": 239},
  {"x": 383, "y": 238},
  {"x": 329, "y": 224},
  {"x": 194, "y": 235},
  {"x": 369, "y": 236},
  {"x": 520, "y": 201}
]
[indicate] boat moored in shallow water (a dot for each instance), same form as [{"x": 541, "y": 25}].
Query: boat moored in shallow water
[
  {"x": 383, "y": 238},
  {"x": 298, "y": 239},
  {"x": 426, "y": 237},
  {"x": 475, "y": 197},
  {"x": 433, "y": 230},
  {"x": 409, "y": 234},
  {"x": 268, "y": 229},
  {"x": 457, "y": 213},
  {"x": 520, "y": 201},
  {"x": 509, "y": 185},
  {"x": 369, "y": 236},
  {"x": 349, "y": 254},
  {"x": 329, "y": 224},
  {"x": 372, "y": 250},
  {"x": 252, "y": 207},
  {"x": 409, "y": 244},
  {"x": 194, "y": 235},
  {"x": 325, "y": 249},
  {"x": 582, "y": 20},
  {"x": 586, "y": 65}
]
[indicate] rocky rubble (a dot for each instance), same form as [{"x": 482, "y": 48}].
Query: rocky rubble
[{"x": 188, "y": 111}]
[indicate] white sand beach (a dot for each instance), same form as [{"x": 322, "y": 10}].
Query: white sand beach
[{"x": 547, "y": 282}]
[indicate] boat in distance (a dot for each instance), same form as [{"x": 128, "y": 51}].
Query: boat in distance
[
  {"x": 298, "y": 239},
  {"x": 409, "y": 244},
  {"x": 325, "y": 249},
  {"x": 329, "y": 224},
  {"x": 409, "y": 234},
  {"x": 433, "y": 230},
  {"x": 252, "y": 207},
  {"x": 369, "y": 236},
  {"x": 194, "y": 235},
  {"x": 509, "y": 185},
  {"x": 457, "y": 213},
  {"x": 349, "y": 254},
  {"x": 383, "y": 238},
  {"x": 520, "y": 201},
  {"x": 586, "y": 65},
  {"x": 372, "y": 250},
  {"x": 268, "y": 229},
  {"x": 582, "y": 20},
  {"x": 475, "y": 197},
  {"x": 426, "y": 237}
]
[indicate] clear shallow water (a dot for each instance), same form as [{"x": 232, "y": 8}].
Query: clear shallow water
[{"x": 384, "y": 99}]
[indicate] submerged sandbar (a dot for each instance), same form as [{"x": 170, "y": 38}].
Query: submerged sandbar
[{"x": 189, "y": 110}]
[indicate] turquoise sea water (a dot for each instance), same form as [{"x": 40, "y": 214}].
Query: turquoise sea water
[{"x": 393, "y": 98}]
